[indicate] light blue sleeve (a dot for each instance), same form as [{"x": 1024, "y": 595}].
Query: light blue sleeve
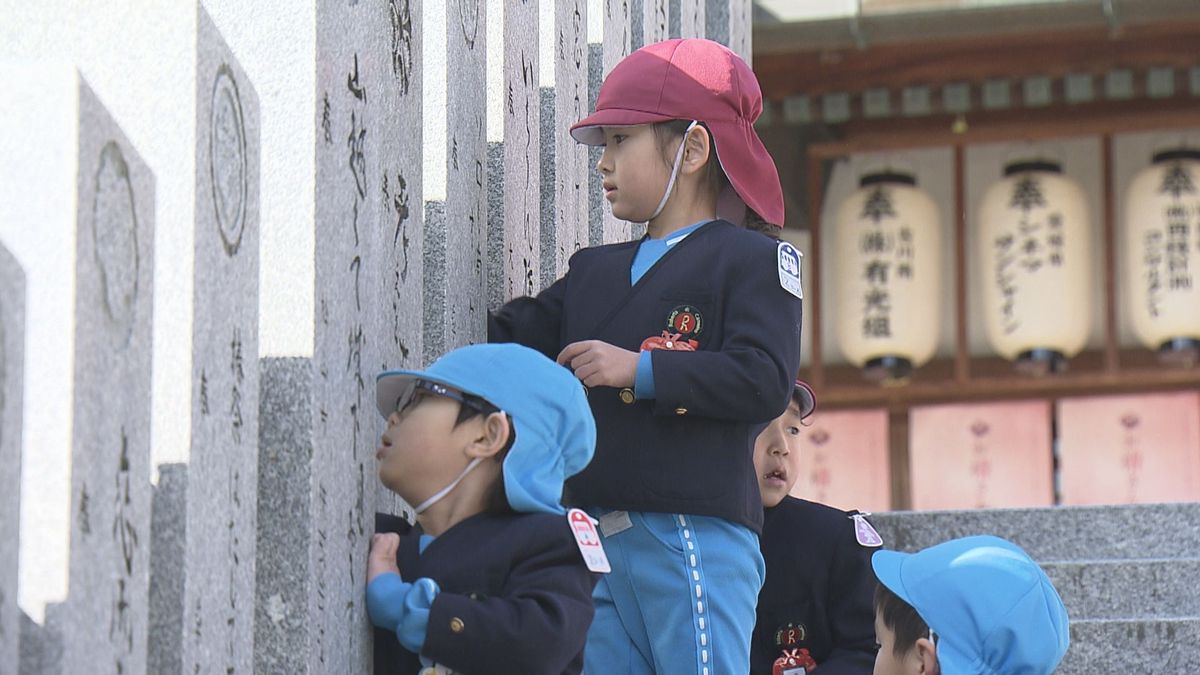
[
  {"x": 402, "y": 607},
  {"x": 643, "y": 381}
]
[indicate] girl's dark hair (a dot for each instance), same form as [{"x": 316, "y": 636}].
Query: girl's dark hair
[
  {"x": 714, "y": 175},
  {"x": 900, "y": 618},
  {"x": 497, "y": 501},
  {"x": 755, "y": 223}
]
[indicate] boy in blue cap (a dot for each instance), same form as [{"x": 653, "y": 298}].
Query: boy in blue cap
[
  {"x": 492, "y": 578},
  {"x": 971, "y": 606}
]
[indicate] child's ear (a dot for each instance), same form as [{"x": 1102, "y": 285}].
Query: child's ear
[
  {"x": 493, "y": 436},
  {"x": 697, "y": 150},
  {"x": 925, "y": 653}
]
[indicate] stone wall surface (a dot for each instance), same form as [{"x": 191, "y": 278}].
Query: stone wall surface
[
  {"x": 12, "y": 362},
  {"x": 251, "y": 557}
]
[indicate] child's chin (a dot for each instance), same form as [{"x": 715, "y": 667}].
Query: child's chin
[
  {"x": 391, "y": 482},
  {"x": 771, "y": 496},
  {"x": 625, "y": 214}
]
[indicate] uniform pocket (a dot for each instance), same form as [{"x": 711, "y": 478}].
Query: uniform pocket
[
  {"x": 687, "y": 314},
  {"x": 663, "y": 528}
]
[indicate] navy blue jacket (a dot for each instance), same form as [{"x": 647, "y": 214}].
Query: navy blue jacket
[
  {"x": 689, "y": 450},
  {"x": 513, "y": 585},
  {"x": 819, "y": 591}
]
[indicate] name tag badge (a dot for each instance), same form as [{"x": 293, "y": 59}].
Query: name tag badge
[
  {"x": 864, "y": 532},
  {"x": 588, "y": 540},
  {"x": 789, "y": 269}
]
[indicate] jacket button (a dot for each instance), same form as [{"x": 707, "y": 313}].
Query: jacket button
[
  {"x": 681, "y": 411},
  {"x": 626, "y": 395},
  {"x": 456, "y": 625}
]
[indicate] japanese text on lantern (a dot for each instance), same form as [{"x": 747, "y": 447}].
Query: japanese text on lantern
[
  {"x": 887, "y": 254},
  {"x": 1167, "y": 252},
  {"x": 1026, "y": 248}
]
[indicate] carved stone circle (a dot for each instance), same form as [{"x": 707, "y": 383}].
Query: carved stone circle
[
  {"x": 227, "y": 159},
  {"x": 115, "y": 231}
]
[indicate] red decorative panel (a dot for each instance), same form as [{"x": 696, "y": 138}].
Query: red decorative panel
[
  {"x": 844, "y": 461},
  {"x": 981, "y": 455},
  {"x": 1129, "y": 449}
]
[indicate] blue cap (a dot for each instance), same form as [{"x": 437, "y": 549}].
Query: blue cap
[
  {"x": 994, "y": 610},
  {"x": 556, "y": 434}
]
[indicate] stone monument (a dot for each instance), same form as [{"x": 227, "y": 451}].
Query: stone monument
[
  {"x": 222, "y": 477},
  {"x": 106, "y": 607},
  {"x": 12, "y": 363}
]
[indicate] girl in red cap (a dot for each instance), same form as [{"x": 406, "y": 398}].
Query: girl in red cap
[{"x": 688, "y": 341}]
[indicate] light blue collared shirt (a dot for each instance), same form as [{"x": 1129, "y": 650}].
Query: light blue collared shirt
[{"x": 648, "y": 253}]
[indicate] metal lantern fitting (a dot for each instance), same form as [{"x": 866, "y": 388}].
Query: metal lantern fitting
[
  {"x": 887, "y": 248},
  {"x": 1161, "y": 243},
  {"x": 1035, "y": 266}
]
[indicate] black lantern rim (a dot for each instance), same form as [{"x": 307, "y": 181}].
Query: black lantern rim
[
  {"x": 1041, "y": 361},
  {"x": 888, "y": 369},
  {"x": 1175, "y": 155},
  {"x": 884, "y": 177},
  {"x": 1180, "y": 351},
  {"x": 1027, "y": 165}
]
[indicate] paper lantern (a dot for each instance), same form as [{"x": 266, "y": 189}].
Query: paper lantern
[
  {"x": 1034, "y": 261},
  {"x": 887, "y": 249},
  {"x": 1161, "y": 241}
]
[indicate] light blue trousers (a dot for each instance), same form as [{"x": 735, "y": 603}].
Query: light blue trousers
[{"x": 680, "y": 597}]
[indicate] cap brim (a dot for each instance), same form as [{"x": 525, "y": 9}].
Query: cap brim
[
  {"x": 888, "y": 566},
  {"x": 749, "y": 167},
  {"x": 805, "y": 398},
  {"x": 388, "y": 387},
  {"x": 589, "y": 130},
  {"x": 390, "y": 384}
]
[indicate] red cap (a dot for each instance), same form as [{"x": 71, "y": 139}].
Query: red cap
[{"x": 694, "y": 79}]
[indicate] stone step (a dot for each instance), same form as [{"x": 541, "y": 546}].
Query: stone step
[
  {"x": 1061, "y": 533},
  {"x": 1127, "y": 589},
  {"x": 1133, "y": 646}
]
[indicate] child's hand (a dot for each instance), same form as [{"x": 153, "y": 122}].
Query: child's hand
[
  {"x": 599, "y": 364},
  {"x": 382, "y": 558}
]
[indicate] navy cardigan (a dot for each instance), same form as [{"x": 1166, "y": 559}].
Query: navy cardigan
[
  {"x": 819, "y": 591},
  {"x": 689, "y": 450},
  {"x": 515, "y": 596}
]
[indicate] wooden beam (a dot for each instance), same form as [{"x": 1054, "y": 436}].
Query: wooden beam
[
  {"x": 1026, "y": 124},
  {"x": 816, "y": 177},
  {"x": 976, "y": 59},
  {"x": 962, "y": 357},
  {"x": 898, "y": 458},
  {"x": 845, "y": 388},
  {"x": 1108, "y": 218}
]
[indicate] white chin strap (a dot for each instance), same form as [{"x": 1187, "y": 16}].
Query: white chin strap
[
  {"x": 423, "y": 506},
  {"x": 674, "y": 172}
]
